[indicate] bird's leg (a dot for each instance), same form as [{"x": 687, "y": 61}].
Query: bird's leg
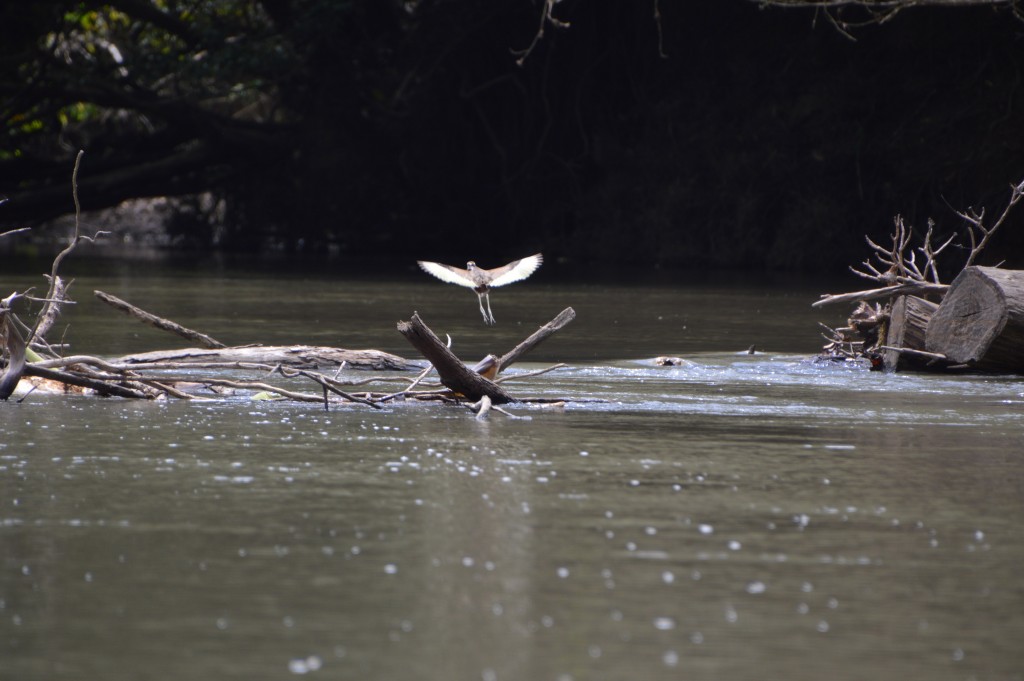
[
  {"x": 490, "y": 314},
  {"x": 481, "y": 296}
]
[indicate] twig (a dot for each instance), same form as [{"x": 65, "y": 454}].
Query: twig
[
  {"x": 530, "y": 374},
  {"x": 326, "y": 384},
  {"x": 54, "y": 279},
  {"x": 546, "y": 17},
  {"x": 402, "y": 393},
  {"x": 12, "y": 232},
  {"x": 976, "y": 222},
  {"x": 911, "y": 351}
]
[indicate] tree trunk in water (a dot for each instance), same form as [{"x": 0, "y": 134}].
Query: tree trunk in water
[
  {"x": 981, "y": 320},
  {"x": 454, "y": 375},
  {"x": 908, "y": 321}
]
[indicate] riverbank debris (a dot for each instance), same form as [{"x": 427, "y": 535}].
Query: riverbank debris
[
  {"x": 917, "y": 322},
  {"x": 479, "y": 385}
]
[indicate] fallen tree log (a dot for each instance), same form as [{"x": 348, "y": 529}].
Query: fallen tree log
[
  {"x": 980, "y": 322},
  {"x": 905, "y": 337},
  {"x": 454, "y": 375},
  {"x": 303, "y": 356}
]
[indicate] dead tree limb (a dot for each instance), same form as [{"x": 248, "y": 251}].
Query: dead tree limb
[
  {"x": 978, "y": 232},
  {"x": 455, "y": 375},
  {"x": 48, "y": 316},
  {"x": 54, "y": 301},
  {"x": 546, "y": 17},
  {"x": 305, "y": 356},
  {"x": 914, "y": 288},
  {"x": 535, "y": 339},
  {"x": 158, "y": 322},
  {"x": 15, "y": 354},
  {"x": 328, "y": 385},
  {"x": 101, "y": 387}
]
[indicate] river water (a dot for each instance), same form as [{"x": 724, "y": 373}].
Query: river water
[{"x": 737, "y": 517}]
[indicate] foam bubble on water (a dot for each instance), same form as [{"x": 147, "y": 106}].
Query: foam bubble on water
[
  {"x": 664, "y": 623},
  {"x": 305, "y": 665}
]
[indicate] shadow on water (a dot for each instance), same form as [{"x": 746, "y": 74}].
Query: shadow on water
[{"x": 737, "y": 517}]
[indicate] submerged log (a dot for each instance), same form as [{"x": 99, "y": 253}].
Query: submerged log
[
  {"x": 908, "y": 321},
  {"x": 980, "y": 322},
  {"x": 304, "y": 356}
]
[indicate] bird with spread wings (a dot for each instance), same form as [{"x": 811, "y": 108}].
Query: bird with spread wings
[{"x": 481, "y": 280}]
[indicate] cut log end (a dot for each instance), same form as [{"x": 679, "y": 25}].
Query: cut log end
[{"x": 981, "y": 320}]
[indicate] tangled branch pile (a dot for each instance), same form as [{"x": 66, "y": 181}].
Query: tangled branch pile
[
  {"x": 916, "y": 321},
  {"x": 28, "y": 362}
]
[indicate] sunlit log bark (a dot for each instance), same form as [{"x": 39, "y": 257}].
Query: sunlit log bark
[
  {"x": 908, "y": 320},
  {"x": 981, "y": 320}
]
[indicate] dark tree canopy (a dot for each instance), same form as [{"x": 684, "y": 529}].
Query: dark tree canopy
[{"x": 718, "y": 132}]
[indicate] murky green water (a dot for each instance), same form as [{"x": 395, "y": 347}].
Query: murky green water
[{"x": 743, "y": 517}]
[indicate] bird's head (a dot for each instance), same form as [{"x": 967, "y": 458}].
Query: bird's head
[{"x": 471, "y": 265}]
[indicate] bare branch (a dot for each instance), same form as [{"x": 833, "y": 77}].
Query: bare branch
[
  {"x": 546, "y": 17},
  {"x": 976, "y": 223}
]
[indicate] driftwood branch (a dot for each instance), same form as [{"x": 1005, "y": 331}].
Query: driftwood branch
[
  {"x": 15, "y": 346},
  {"x": 455, "y": 375},
  {"x": 158, "y": 322},
  {"x": 12, "y": 232},
  {"x": 979, "y": 233},
  {"x": 535, "y": 339},
  {"x": 56, "y": 295},
  {"x": 102, "y": 387},
  {"x": 301, "y": 356},
  {"x": 978, "y": 324},
  {"x": 910, "y": 288}
]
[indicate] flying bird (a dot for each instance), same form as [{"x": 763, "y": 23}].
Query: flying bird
[{"x": 481, "y": 280}]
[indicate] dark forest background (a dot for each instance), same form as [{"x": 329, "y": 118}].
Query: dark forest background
[{"x": 718, "y": 133}]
